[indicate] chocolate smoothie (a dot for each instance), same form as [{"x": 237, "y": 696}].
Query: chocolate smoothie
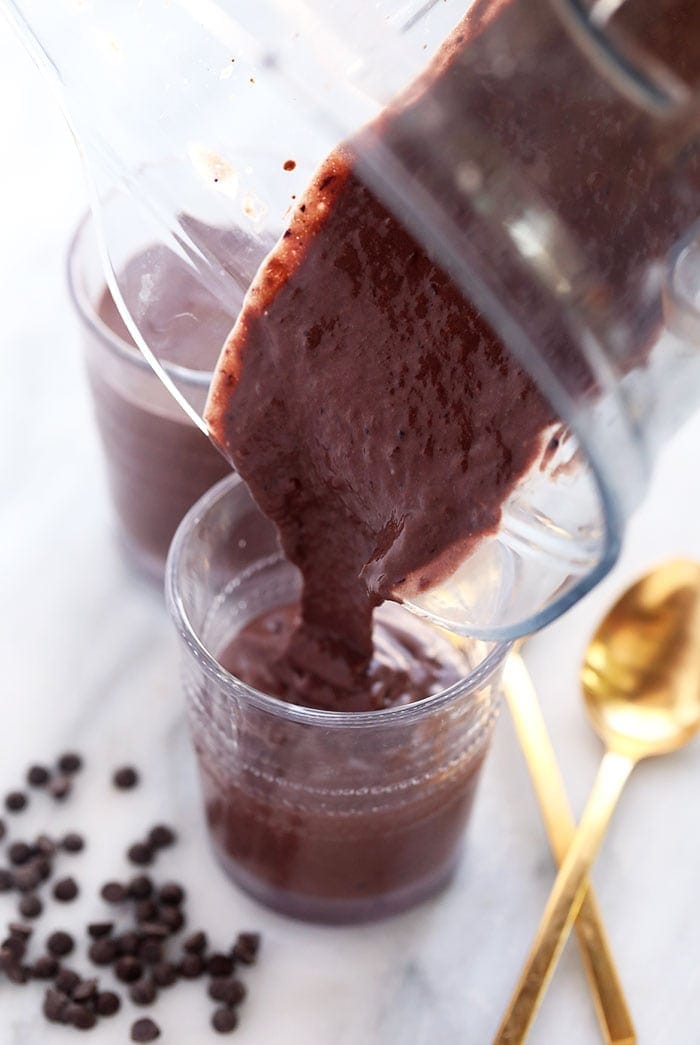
[
  {"x": 373, "y": 412},
  {"x": 158, "y": 462}
]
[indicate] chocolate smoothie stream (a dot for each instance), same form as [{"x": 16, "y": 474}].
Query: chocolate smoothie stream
[{"x": 371, "y": 409}]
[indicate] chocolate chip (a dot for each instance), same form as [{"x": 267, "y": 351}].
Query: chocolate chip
[
  {"x": 60, "y": 943},
  {"x": 19, "y": 853},
  {"x": 102, "y": 951},
  {"x": 45, "y": 967},
  {"x": 143, "y": 992},
  {"x": 66, "y": 981},
  {"x": 161, "y": 836},
  {"x": 85, "y": 990},
  {"x": 172, "y": 917},
  {"x": 128, "y": 969},
  {"x": 146, "y": 910},
  {"x": 27, "y": 878},
  {"x": 171, "y": 893},
  {"x": 195, "y": 944},
  {"x": 107, "y": 1003},
  {"x": 128, "y": 943},
  {"x": 219, "y": 965},
  {"x": 154, "y": 929},
  {"x": 145, "y": 1030},
  {"x": 70, "y": 763},
  {"x": 164, "y": 974},
  {"x": 191, "y": 966},
  {"x": 140, "y": 853},
  {"x": 99, "y": 929},
  {"x": 55, "y": 1005},
  {"x": 246, "y": 948},
  {"x": 80, "y": 1017},
  {"x": 227, "y": 990},
  {"x": 113, "y": 892},
  {"x": 60, "y": 787},
  {"x": 150, "y": 952},
  {"x": 42, "y": 867},
  {"x": 125, "y": 778},
  {"x": 65, "y": 890},
  {"x": 45, "y": 846},
  {"x": 224, "y": 1020},
  {"x": 3, "y": 830},
  {"x": 140, "y": 887},
  {"x": 13, "y": 948},
  {"x": 7, "y": 880},
  {"x": 30, "y": 906},
  {"x": 38, "y": 776},
  {"x": 73, "y": 843},
  {"x": 20, "y": 930},
  {"x": 16, "y": 801}
]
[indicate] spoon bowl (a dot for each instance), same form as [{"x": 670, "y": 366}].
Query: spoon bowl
[{"x": 641, "y": 671}]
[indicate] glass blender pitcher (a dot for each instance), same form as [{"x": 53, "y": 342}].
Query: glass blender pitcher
[{"x": 555, "y": 175}]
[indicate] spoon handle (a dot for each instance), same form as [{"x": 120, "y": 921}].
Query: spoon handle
[
  {"x": 606, "y": 989},
  {"x": 565, "y": 899}
]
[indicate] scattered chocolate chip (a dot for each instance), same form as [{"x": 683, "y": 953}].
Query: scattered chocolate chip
[
  {"x": 70, "y": 763},
  {"x": 224, "y": 1020},
  {"x": 60, "y": 787},
  {"x": 19, "y": 853},
  {"x": 45, "y": 967},
  {"x": 38, "y": 776},
  {"x": 102, "y": 951},
  {"x": 85, "y": 990},
  {"x": 45, "y": 846},
  {"x": 125, "y": 778},
  {"x": 172, "y": 917},
  {"x": 19, "y": 929},
  {"x": 13, "y": 948},
  {"x": 73, "y": 843},
  {"x": 7, "y": 880},
  {"x": 128, "y": 969},
  {"x": 30, "y": 906},
  {"x": 154, "y": 929},
  {"x": 191, "y": 966},
  {"x": 113, "y": 892},
  {"x": 195, "y": 944},
  {"x": 65, "y": 890},
  {"x": 27, "y": 878},
  {"x": 145, "y": 1030},
  {"x": 161, "y": 836},
  {"x": 171, "y": 893},
  {"x": 16, "y": 801},
  {"x": 219, "y": 965},
  {"x": 164, "y": 974},
  {"x": 140, "y": 853},
  {"x": 55, "y": 1005},
  {"x": 227, "y": 990},
  {"x": 80, "y": 1017},
  {"x": 128, "y": 943},
  {"x": 140, "y": 887},
  {"x": 66, "y": 981},
  {"x": 289, "y": 165},
  {"x": 3, "y": 830},
  {"x": 43, "y": 867},
  {"x": 60, "y": 943},
  {"x": 143, "y": 992},
  {"x": 146, "y": 911},
  {"x": 96, "y": 930},
  {"x": 246, "y": 948},
  {"x": 107, "y": 1003},
  {"x": 18, "y": 974},
  {"x": 150, "y": 952}
]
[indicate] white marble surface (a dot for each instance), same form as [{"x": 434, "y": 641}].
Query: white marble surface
[{"x": 88, "y": 661}]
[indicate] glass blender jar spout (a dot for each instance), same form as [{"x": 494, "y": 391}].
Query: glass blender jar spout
[{"x": 553, "y": 172}]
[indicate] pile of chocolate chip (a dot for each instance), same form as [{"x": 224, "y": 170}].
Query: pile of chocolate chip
[{"x": 139, "y": 942}]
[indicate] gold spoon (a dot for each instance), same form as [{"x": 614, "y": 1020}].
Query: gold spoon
[{"x": 641, "y": 682}]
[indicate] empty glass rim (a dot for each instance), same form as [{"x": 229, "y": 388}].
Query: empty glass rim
[
  {"x": 91, "y": 318},
  {"x": 404, "y": 713}
]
